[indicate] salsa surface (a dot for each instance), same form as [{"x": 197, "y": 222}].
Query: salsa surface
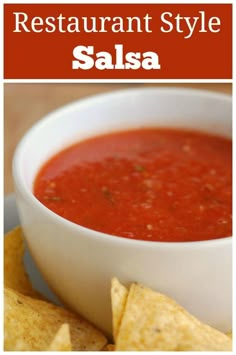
[{"x": 149, "y": 184}]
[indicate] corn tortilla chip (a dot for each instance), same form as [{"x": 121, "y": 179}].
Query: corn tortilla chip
[
  {"x": 118, "y": 299},
  {"x": 15, "y": 275},
  {"x": 109, "y": 347},
  {"x": 34, "y": 324},
  {"x": 61, "y": 341},
  {"x": 154, "y": 322},
  {"x": 16, "y": 345}
]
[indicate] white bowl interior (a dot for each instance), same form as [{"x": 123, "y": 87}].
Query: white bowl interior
[{"x": 188, "y": 109}]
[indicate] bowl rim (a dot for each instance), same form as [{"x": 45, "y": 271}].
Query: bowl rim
[{"x": 91, "y": 100}]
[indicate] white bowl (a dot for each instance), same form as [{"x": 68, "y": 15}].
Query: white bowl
[{"x": 78, "y": 263}]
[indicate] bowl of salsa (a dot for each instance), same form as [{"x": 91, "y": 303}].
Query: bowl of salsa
[{"x": 135, "y": 184}]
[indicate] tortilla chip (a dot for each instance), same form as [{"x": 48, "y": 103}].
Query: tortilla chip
[
  {"x": 16, "y": 345},
  {"x": 118, "y": 300},
  {"x": 109, "y": 347},
  {"x": 34, "y": 323},
  {"x": 15, "y": 276},
  {"x": 154, "y": 322},
  {"x": 61, "y": 341}
]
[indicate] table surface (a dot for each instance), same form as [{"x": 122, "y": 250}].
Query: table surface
[{"x": 24, "y": 104}]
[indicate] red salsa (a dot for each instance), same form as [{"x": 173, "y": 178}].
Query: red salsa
[{"x": 149, "y": 184}]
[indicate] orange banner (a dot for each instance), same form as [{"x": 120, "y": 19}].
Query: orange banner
[{"x": 117, "y": 41}]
